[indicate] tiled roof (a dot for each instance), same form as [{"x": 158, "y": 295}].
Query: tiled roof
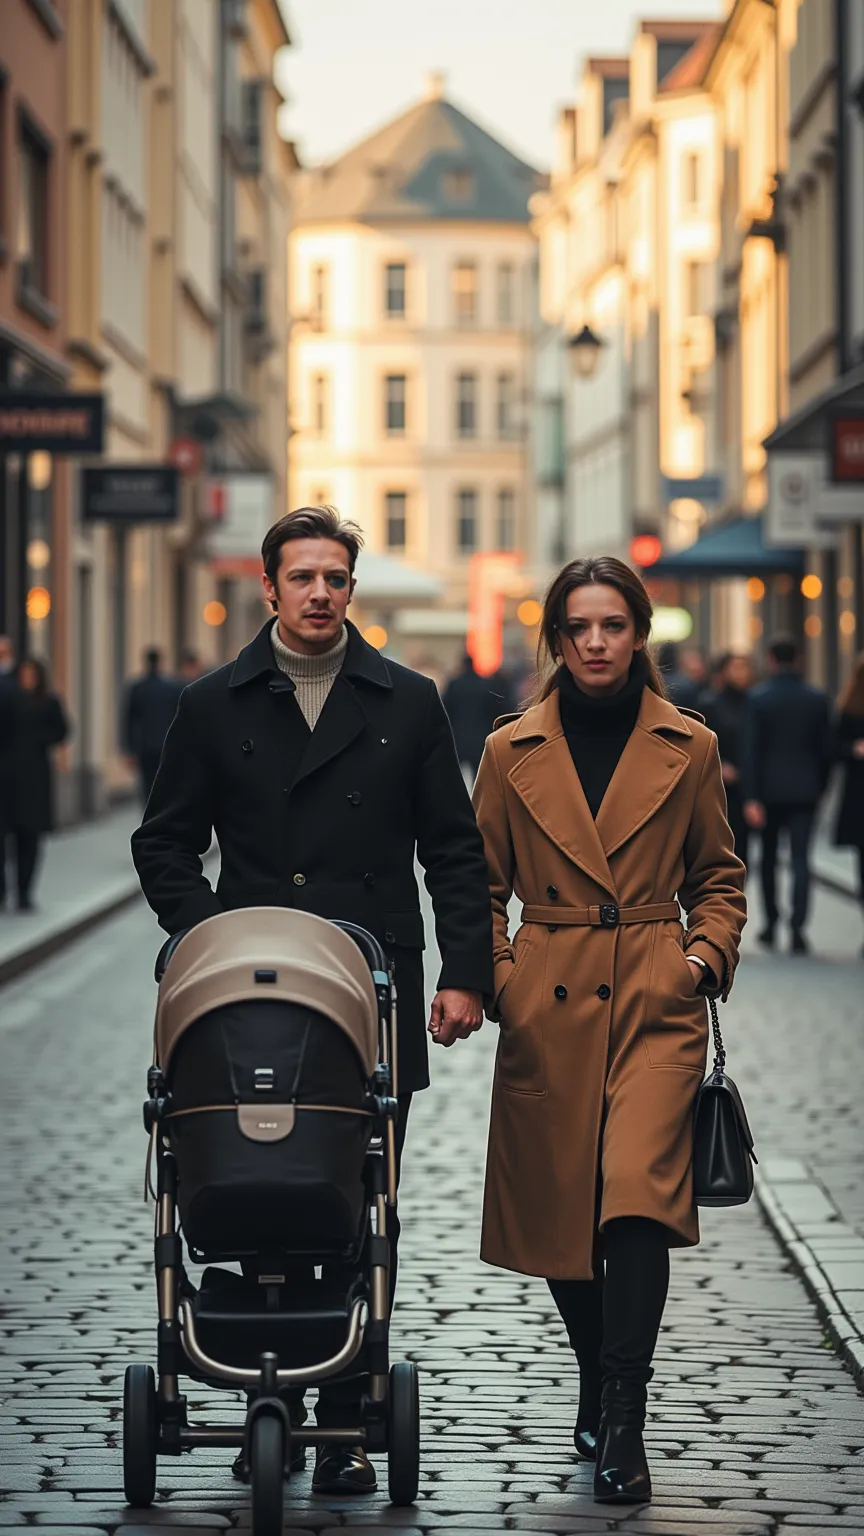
[
  {"x": 690, "y": 71},
  {"x": 432, "y": 162}
]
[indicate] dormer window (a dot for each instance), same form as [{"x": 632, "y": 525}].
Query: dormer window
[{"x": 458, "y": 186}]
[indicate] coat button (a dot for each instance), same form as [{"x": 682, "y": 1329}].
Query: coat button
[
  {"x": 389, "y": 938},
  {"x": 552, "y": 892},
  {"x": 604, "y": 993},
  {"x": 355, "y": 797},
  {"x": 369, "y": 879},
  {"x": 299, "y": 879},
  {"x": 246, "y": 746},
  {"x": 561, "y": 993}
]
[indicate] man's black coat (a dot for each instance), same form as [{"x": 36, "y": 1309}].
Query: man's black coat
[
  {"x": 786, "y": 742},
  {"x": 327, "y": 821}
]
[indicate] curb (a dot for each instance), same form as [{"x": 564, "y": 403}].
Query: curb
[
  {"x": 51, "y": 943},
  {"x": 827, "y": 1253}
]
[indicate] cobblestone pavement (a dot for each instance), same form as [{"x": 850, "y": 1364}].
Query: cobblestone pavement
[{"x": 756, "y": 1427}]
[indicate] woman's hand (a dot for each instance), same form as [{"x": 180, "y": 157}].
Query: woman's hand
[{"x": 697, "y": 972}]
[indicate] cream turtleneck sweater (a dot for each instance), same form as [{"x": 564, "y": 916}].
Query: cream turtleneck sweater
[{"x": 312, "y": 676}]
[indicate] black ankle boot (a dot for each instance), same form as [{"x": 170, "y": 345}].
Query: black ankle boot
[
  {"x": 587, "y": 1419},
  {"x": 621, "y": 1475}
]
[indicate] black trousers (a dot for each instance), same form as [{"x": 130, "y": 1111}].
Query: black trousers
[
  {"x": 25, "y": 847},
  {"x": 797, "y": 821},
  {"x": 613, "y": 1321},
  {"x": 338, "y": 1404}
]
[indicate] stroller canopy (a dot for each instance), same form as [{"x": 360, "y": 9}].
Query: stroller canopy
[{"x": 237, "y": 955}]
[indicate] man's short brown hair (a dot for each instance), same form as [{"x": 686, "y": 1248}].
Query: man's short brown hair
[{"x": 310, "y": 523}]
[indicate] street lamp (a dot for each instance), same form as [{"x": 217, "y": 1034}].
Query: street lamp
[{"x": 584, "y": 349}]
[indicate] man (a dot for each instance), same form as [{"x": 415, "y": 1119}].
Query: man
[
  {"x": 190, "y": 668},
  {"x": 786, "y": 760},
  {"x": 473, "y": 704},
  {"x": 683, "y": 674},
  {"x": 724, "y": 708},
  {"x": 8, "y": 695},
  {"x": 149, "y": 707},
  {"x": 326, "y": 769}
]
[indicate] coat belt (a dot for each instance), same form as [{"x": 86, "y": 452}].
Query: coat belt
[{"x": 606, "y": 915}]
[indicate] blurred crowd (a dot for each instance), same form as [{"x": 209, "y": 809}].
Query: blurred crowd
[
  {"x": 34, "y": 722},
  {"x": 779, "y": 739}
]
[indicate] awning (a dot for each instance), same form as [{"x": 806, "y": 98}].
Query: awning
[
  {"x": 734, "y": 548},
  {"x": 808, "y": 427},
  {"x": 387, "y": 579}
]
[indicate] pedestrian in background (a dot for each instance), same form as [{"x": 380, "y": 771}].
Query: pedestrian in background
[
  {"x": 786, "y": 759},
  {"x": 683, "y": 672},
  {"x": 149, "y": 707},
  {"x": 724, "y": 709},
  {"x": 8, "y": 693},
  {"x": 473, "y": 704},
  {"x": 603, "y": 793},
  {"x": 38, "y": 725},
  {"x": 849, "y": 826},
  {"x": 191, "y": 668}
]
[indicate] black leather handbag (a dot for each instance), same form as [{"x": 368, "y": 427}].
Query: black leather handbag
[{"x": 723, "y": 1155}]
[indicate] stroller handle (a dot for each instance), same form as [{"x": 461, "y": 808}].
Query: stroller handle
[{"x": 366, "y": 942}]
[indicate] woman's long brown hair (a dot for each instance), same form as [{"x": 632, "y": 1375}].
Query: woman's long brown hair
[
  {"x": 851, "y": 700},
  {"x": 594, "y": 570}
]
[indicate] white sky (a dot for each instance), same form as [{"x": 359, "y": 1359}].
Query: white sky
[{"x": 509, "y": 63}]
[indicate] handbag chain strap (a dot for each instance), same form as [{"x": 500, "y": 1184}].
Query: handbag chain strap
[{"x": 719, "y": 1048}]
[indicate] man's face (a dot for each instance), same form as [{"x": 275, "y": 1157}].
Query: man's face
[{"x": 312, "y": 592}]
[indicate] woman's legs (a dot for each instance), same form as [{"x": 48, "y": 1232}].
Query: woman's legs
[{"x": 580, "y": 1303}]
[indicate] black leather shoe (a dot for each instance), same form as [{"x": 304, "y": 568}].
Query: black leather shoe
[
  {"x": 585, "y": 1441},
  {"x": 799, "y": 943},
  {"x": 297, "y": 1464},
  {"x": 766, "y": 938},
  {"x": 621, "y": 1475},
  {"x": 343, "y": 1469},
  {"x": 587, "y": 1422}
]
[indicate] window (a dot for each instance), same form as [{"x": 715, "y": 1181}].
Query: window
[
  {"x": 320, "y": 404},
  {"x": 458, "y": 186},
  {"x": 396, "y": 520},
  {"x": 395, "y": 290},
  {"x": 31, "y": 236},
  {"x": 613, "y": 92},
  {"x": 319, "y": 298},
  {"x": 691, "y": 169},
  {"x": 252, "y": 108},
  {"x": 506, "y": 293},
  {"x": 465, "y": 293},
  {"x": 466, "y": 405},
  {"x": 505, "y": 405},
  {"x": 466, "y": 522},
  {"x": 395, "y": 396},
  {"x": 506, "y": 529},
  {"x": 695, "y": 296}
]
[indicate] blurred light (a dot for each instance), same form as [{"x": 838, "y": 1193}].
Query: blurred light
[
  {"x": 671, "y": 624},
  {"x": 214, "y": 614},
  {"x": 40, "y": 468},
  {"x": 813, "y": 626},
  {"x": 375, "y": 634},
  {"x": 38, "y": 554},
  {"x": 845, "y": 586},
  {"x": 755, "y": 589},
  {"x": 38, "y": 603},
  {"x": 783, "y": 586},
  {"x": 846, "y": 622},
  {"x": 687, "y": 510},
  {"x": 756, "y": 626},
  {"x": 811, "y": 586},
  {"x": 530, "y": 612},
  {"x": 645, "y": 549}
]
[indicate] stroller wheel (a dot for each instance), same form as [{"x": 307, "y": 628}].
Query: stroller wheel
[
  {"x": 403, "y": 1446},
  {"x": 267, "y": 1457},
  {"x": 139, "y": 1435}
]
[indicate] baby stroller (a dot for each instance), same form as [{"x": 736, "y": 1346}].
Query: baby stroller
[{"x": 271, "y": 1115}]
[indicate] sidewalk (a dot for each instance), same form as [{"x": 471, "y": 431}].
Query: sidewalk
[{"x": 87, "y": 873}]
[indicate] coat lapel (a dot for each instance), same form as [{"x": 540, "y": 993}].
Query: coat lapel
[
  {"x": 341, "y": 721},
  {"x": 649, "y": 768},
  {"x": 549, "y": 788}
]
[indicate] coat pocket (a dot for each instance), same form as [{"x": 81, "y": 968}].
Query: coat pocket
[
  {"x": 675, "y": 1027},
  {"x": 521, "y": 1060},
  {"x": 404, "y": 930}
]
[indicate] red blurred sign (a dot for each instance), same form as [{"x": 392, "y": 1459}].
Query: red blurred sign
[
  {"x": 645, "y": 549},
  {"x": 489, "y": 578},
  {"x": 847, "y": 448},
  {"x": 186, "y": 455}
]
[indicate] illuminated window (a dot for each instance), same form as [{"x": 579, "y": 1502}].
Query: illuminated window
[{"x": 465, "y": 293}]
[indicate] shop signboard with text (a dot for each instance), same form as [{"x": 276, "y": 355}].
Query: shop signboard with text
[
  {"x": 66, "y": 423},
  {"x": 127, "y": 494},
  {"x": 847, "y": 448},
  {"x": 239, "y": 512}
]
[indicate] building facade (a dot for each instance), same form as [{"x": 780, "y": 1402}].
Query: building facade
[{"x": 411, "y": 298}]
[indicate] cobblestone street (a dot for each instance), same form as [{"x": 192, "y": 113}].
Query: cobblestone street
[{"x": 756, "y": 1426}]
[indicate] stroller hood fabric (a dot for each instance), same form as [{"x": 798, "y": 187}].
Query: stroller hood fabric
[{"x": 274, "y": 953}]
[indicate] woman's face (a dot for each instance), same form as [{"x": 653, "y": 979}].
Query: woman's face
[
  {"x": 28, "y": 677},
  {"x": 598, "y": 639}
]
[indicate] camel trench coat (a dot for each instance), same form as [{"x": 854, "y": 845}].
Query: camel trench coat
[{"x": 603, "y": 1042}]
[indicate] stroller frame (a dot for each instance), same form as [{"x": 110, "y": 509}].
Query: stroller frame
[{"x": 155, "y": 1411}]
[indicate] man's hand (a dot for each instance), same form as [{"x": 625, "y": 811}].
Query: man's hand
[
  {"x": 455, "y": 1015},
  {"x": 754, "y": 815},
  {"x": 730, "y": 773}
]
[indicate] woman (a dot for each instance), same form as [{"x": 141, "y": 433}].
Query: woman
[
  {"x": 849, "y": 828},
  {"x": 724, "y": 710},
  {"x": 38, "y": 725},
  {"x": 599, "y": 806}
]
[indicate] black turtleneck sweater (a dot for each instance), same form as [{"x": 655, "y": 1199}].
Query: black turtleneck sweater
[{"x": 598, "y": 729}]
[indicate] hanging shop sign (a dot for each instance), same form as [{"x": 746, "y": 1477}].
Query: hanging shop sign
[
  {"x": 847, "y": 448},
  {"x": 239, "y": 510},
  {"x": 63, "y": 423},
  {"x": 130, "y": 493}
]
